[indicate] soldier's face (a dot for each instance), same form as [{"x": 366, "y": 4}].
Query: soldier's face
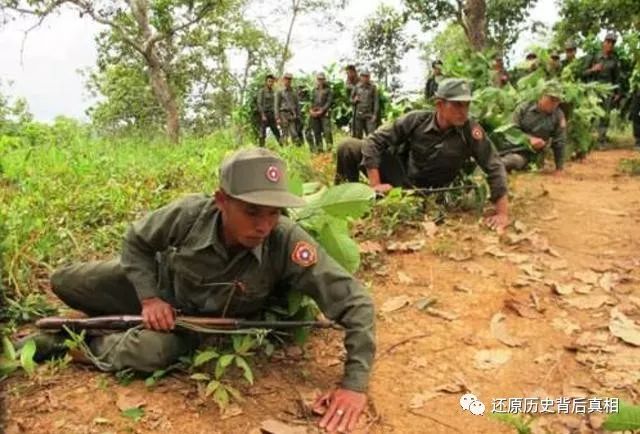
[
  {"x": 571, "y": 53},
  {"x": 607, "y": 46},
  {"x": 244, "y": 224},
  {"x": 548, "y": 103},
  {"x": 287, "y": 82},
  {"x": 269, "y": 82},
  {"x": 365, "y": 79},
  {"x": 351, "y": 74},
  {"x": 454, "y": 113}
]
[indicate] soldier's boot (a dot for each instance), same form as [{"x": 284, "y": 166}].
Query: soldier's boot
[{"x": 48, "y": 345}]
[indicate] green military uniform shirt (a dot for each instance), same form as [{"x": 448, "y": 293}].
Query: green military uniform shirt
[
  {"x": 432, "y": 157},
  {"x": 610, "y": 72},
  {"x": 266, "y": 101},
  {"x": 535, "y": 122},
  {"x": 204, "y": 278},
  {"x": 368, "y": 101},
  {"x": 322, "y": 98},
  {"x": 287, "y": 101}
]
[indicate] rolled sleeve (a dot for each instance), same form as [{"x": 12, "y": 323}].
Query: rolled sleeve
[
  {"x": 342, "y": 299},
  {"x": 488, "y": 159}
]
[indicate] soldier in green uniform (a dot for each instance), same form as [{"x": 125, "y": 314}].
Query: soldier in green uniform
[
  {"x": 222, "y": 256},
  {"x": 350, "y": 84},
  {"x": 287, "y": 107},
  {"x": 570, "y": 48},
  {"x": 428, "y": 149},
  {"x": 605, "y": 68},
  {"x": 367, "y": 105},
  {"x": 499, "y": 75},
  {"x": 320, "y": 114},
  {"x": 266, "y": 110},
  {"x": 435, "y": 78},
  {"x": 543, "y": 122}
]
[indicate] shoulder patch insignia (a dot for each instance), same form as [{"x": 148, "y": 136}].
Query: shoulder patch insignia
[
  {"x": 477, "y": 133},
  {"x": 273, "y": 174},
  {"x": 304, "y": 254}
]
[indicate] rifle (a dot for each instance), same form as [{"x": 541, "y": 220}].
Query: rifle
[
  {"x": 123, "y": 322},
  {"x": 514, "y": 149},
  {"x": 435, "y": 190}
]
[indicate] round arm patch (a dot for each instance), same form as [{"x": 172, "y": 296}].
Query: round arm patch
[{"x": 304, "y": 254}]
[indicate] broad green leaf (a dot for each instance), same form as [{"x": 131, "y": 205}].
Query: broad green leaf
[
  {"x": 294, "y": 301},
  {"x": 204, "y": 356},
  {"x": 311, "y": 188},
  {"x": 346, "y": 200},
  {"x": 221, "y": 397},
  {"x": 8, "y": 350},
  {"x": 335, "y": 239},
  {"x": 301, "y": 335},
  {"x": 295, "y": 186},
  {"x": 222, "y": 364},
  {"x": 8, "y": 366},
  {"x": 211, "y": 387},
  {"x": 234, "y": 392},
  {"x": 153, "y": 378},
  {"x": 627, "y": 418},
  {"x": 134, "y": 413},
  {"x": 26, "y": 356},
  {"x": 242, "y": 364},
  {"x": 200, "y": 377}
]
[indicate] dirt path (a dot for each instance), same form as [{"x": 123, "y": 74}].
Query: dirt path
[{"x": 580, "y": 232}]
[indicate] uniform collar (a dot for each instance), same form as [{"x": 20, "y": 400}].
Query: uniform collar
[
  {"x": 208, "y": 224},
  {"x": 432, "y": 124}
]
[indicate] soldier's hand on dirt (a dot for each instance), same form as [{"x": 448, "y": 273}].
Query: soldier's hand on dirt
[
  {"x": 498, "y": 222},
  {"x": 157, "y": 314},
  {"x": 341, "y": 409}
]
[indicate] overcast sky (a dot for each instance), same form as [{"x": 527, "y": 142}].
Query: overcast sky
[{"x": 47, "y": 74}]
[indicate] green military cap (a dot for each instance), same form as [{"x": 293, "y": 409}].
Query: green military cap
[
  {"x": 611, "y": 36},
  {"x": 553, "y": 88},
  {"x": 288, "y": 75},
  {"x": 570, "y": 45},
  {"x": 454, "y": 89},
  {"x": 258, "y": 176},
  {"x": 321, "y": 76},
  {"x": 365, "y": 72}
]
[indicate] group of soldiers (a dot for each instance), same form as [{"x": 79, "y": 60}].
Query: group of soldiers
[
  {"x": 603, "y": 67},
  {"x": 280, "y": 111}
]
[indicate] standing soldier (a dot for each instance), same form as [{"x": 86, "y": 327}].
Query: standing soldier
[
  {"x": 435, "y": 78},
  {"x": 320, "y": 113},
  {"x": 266, "y": 110},
  {"x": 635, "y": 116},
  {"x": 499, "y": 75},
  {"x": 569, "y": 53},
  {"x": 288, "y": 111},
  {"x": 367, "y": 105},
  {"x": 554, "y": 67},
  {"x": 350, "y": 84},
  {"x": 605, "y": 68}
]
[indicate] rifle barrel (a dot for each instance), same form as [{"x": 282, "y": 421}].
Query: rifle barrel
[{"x": 121, "y": 322}]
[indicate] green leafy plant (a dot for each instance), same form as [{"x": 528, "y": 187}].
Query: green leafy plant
[
  {"x": 522, "y": 424},
  {"x": 627, "y": 418},
  {"x": 630, "y": 166},
  {"x": 12, "y": 360}
]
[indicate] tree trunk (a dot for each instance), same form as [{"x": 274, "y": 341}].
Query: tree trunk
[
  {"x": 157, "y": 76},
  {"x": 287, "y": 42},
  {"x": 475, "y": 17},
  {"x": 245, "y": 76}
]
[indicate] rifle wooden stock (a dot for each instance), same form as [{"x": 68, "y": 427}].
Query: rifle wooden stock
[{"x": 123, "y": 322}]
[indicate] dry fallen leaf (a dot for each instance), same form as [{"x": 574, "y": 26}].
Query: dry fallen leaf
[
  {"x": 588, "y": 301},
  {"x": 441, "y": 314},
  {"x": 479, "y": 270},
  {"x": 418, "y": 363},
  {"x": 460, "y": 256},
  {"x": 592, "y": 340},
  {"x": 491, "y": 359},
  {"x": 456, "y": 387},
  {"x": 272, "y": 426},
  {"x": 519, "y": 226},
  {"x": 613, "y": 212},
  {"x": 608, "y": 281},
  {"x": 429, "y": 228},
  {"x": 500, "y": 332},
  {"x": 127, "y": 401},
  {"x": 494, "y": 251},
  {"x": 583, "y": 289},
  {"x": 624, "y": 328},
  {"x": 530, "y": 270},
  {"x": 404, "y": 278},
  {"x": 370, "y": 247},
  {"x": 634, "y": 300},
  {"x": 462, "y": 288},
  {"x": 230, "y": 411},
  {"x": 418, "y": 400},
  {"x": 425, "y": 302},
  {"x": 518, "y": 258},
  {"x": 565, "y": 325},
  {"x": 520, "y": 283},
  {"x": 561, "y": 289},
  {"x": 406, "y": 246},
  {"x": 522, "y": 309},
  {"x": 589, "y": 277},
  {"x": 395, "y": 303}
]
